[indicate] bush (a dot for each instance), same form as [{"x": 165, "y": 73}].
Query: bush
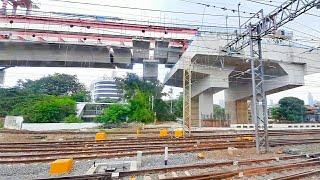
[
  {"x": 141, "y": 108},
  {"x": 72, "y": 119},
  {"x": 51, "y": 109},
  {"x": 163, "y": 111},
  {"x": 142, "y": 115},
  {"x": 116, "y": 114}
]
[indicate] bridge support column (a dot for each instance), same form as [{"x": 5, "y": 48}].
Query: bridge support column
[
  {"x": 202, "y": 108},
  {"x": 150, "y": 69},
  {"x": 236, "y": 109}
]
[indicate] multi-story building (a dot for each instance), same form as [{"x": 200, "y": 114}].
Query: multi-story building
[{"x": 105, "y": 90}]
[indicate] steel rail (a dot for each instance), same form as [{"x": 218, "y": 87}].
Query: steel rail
[{"x": 182, "y": 168}]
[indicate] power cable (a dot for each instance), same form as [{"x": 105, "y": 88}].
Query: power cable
[
  {"x": 135, "y": 8},
  {"x": 268, "y": 4}
]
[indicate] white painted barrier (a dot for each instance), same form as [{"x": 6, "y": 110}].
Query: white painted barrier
[
  {"x": 249, "y": 127},
  {"x": 13, "y": 122},
  {"x": 58, "y": 126},
  {"x": 295, "y": 126}
]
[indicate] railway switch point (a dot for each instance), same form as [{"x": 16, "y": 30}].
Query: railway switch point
[
  {"x": 61, "y": 166},
  {"x": 101, "y": 136},
  {"x": 163, "y": 133},
  {"x": 178, "y": 133}
]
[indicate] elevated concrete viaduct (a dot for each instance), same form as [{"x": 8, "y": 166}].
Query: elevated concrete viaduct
[
  {"x": 214, "y": 71},
  {"x": 54, "y": 40}
]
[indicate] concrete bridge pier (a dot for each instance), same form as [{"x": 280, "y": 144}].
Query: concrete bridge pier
[
  {"x": 239, "y": 93},
  {"x": 203, "y": 91}
]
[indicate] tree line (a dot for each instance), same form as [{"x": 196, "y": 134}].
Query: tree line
[
  {"x": 53, "y": 99},
  {"x": 143, "y": 103},
  {"x": 47, "y": 100}
]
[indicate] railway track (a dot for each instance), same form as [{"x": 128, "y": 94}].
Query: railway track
[
  {"x": 155, "y": 132},
  {"x": 219, "y": 170},
  {"x": 141, "y": 139},
  {"x": 299, "y": 175},
  {"x": 44, "y": 152}
]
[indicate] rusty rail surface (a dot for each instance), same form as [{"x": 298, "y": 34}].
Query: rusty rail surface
[
  {"x": 299, "y": 175},
  {"x": 252, "y": 171},
  {"x": 105, "y": 150},
  {"x": 198, "y": 166}
]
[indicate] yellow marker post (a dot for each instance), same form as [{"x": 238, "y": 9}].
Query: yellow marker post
[
  {"x": 178, "y": 133},
  {"x": 138, "y": 131},
  {"x": 163, "y": 133},
  {"x": 61, "y": 166},
  {"x": 101, "y": 136}
]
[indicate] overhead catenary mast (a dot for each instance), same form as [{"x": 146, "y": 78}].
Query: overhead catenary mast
[{"x": 268, "y": 24}]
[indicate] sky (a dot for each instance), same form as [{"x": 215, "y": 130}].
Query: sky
[{"x": 305, "y": 26}]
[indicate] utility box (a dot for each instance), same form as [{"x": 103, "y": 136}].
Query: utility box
[
  {"x": 178, "y": 133},
  {"x": 101, "y": 136},
  {"x": 163, "y": 133},
  {"x": 61, "y": 166}
]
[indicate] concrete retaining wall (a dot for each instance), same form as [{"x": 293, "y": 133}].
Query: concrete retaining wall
[
  {"x": 13, "y": 122},
  {"x": 57, "y": 126}
]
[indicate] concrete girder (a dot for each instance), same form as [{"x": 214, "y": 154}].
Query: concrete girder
[
  {"x": 37, "y": 54},
  {"x": 174, "y": 54},
  {"x": 161, "y": 51},
  {"x": 237, "y": 95},
  {"x": 214, "y": 82},
  {"x": 121, "y": 55},
  {"x": 140, "y": 50},
  {"x": 294, "y": 78},
  {"x": 59, "y": 55}
]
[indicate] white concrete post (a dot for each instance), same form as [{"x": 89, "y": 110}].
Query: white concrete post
[
  {"x": 166, "y": 156},
  {"x": 139, "y": 159}
]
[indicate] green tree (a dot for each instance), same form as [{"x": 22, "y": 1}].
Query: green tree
[
  {"x": 132, "y": 83},
  {"x": 116, "y": 114},
  {"x": 290, "y": 109},
  {"x": 56, "y": 84},
  {"x": 50, "y": 109},
  {"x": 178, "y": 106},
  {"x": 81, "y": 96},
  {"x": 72, "y": 119},
  {"x": 218, "y": 112},
  {"x": 162, "y": 110},
  {"x": 12, "y": 97},
  {"x": 140, "y": 108}
]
